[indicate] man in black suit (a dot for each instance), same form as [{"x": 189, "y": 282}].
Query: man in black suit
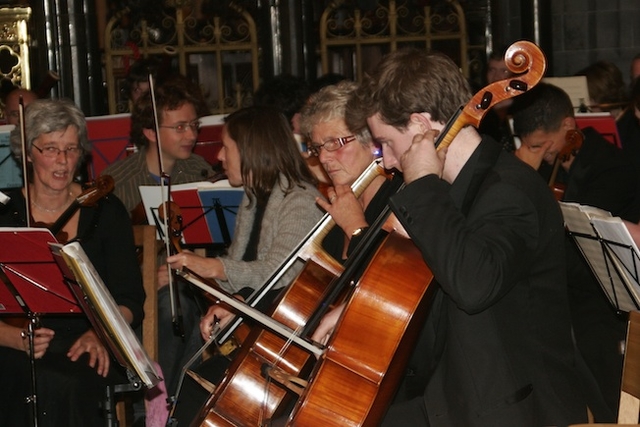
[
  {"x": 496, "y": 349},
  {"x": 595, "y": 173}
]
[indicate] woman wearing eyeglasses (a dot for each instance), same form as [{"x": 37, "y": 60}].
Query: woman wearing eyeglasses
[
  {"x": 73, "y": 366},
  {"x": 344, "y": 156}
]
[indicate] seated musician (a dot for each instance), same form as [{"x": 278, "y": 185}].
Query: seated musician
[
  {"x": 73, "y": 366},
  {"x": 595, "y": 173},
  {"x": 497, "y": 348},
  {"x": 179, "y": 105},
  {"x": 344, "y": 155},
  {"x": 260, "y": 154}
]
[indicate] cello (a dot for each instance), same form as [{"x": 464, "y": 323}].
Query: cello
[{"x": 355, "y": 377}]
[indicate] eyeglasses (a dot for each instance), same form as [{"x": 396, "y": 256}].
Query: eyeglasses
[
  {"x": 52, "y": 151},
  {"x": 182, "y": 127},
  {"x": 330, "y": 145}
]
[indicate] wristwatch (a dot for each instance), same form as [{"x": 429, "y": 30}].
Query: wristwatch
[{"x": 358, "y": 231}]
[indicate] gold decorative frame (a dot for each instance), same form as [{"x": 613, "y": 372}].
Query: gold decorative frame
[
  {"x": 349, "y": 37},
  {"x": 14, "y": 46},
  {"x": 181, "y": 37}
]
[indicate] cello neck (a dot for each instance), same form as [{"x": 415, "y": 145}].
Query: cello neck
[
  {"x": 309, "y": 248},
  {"x": 312, "y": 245}
]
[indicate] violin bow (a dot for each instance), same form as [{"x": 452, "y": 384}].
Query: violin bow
[
  {"x": 25, "y": 174},
  {"x": 176, "y": 313}
]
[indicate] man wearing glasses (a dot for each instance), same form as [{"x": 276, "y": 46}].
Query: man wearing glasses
[{"x": 179, "y": 104}]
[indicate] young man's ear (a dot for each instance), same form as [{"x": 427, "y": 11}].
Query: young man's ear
[
  {"x": 150, "y": 134},
  {"x": 422, "y": 120}
]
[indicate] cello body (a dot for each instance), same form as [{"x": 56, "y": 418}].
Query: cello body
[
  {"x": 245, "y": 397},
  {"x": 364, "y": 362}
]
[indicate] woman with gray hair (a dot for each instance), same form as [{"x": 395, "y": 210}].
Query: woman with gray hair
[{"x": 73, "y": 365}]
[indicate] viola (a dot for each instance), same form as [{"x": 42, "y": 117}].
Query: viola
[
  {"x": 357, "y": 374},
  {"x": 89, "y": 197},
  {"x": 573, "y": 143}
]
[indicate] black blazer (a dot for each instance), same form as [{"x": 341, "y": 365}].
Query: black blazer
[{"x": 501, "y": 352}]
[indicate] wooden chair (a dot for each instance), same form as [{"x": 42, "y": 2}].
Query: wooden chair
[
  {"x": 629, "y": 408},
  {"x": 145, "y": 238}
]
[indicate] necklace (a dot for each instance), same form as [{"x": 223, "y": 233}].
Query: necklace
[{"x": 42, "y": 208}]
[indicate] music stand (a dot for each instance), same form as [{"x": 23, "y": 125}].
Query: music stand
[
  {"x": 610, "y": 251},
  {"x": 107, "y": 320},
  {"x": 32, "y": 286}
]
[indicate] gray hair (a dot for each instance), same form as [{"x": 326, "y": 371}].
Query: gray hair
[
  {"x": 327, "y": 104},
  {"x": 50, "y": 115}
]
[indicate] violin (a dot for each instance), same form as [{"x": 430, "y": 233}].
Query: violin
[
  {"x": 355, "y": 378},
  {"x": 89, "y": 197},
  {"x": 573, "y": 143}
]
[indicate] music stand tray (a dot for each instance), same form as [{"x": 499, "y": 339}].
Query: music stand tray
[
  {"x": 33, "y": 282},
  {"x": 31, "y": 285}
]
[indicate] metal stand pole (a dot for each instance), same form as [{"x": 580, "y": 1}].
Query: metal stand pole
[{"x": 32, "y": 399}]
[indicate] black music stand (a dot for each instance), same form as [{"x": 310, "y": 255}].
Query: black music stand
[
  {"x": 32, "y": 286},
  {"x": 107, "y": 321},
  {"x": 610, "y": 251}
]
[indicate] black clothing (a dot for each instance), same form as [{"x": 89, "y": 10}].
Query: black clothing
[
  {"x": 603, "y": 176},
  {"x": 629, "y": 131},
  {"x": 500, "y": 351},
  {"x": 69, "y": 393}
]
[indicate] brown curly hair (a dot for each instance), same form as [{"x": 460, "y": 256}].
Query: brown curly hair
[
  {"x": 171, "y": 94},
  {"x": 409, "y": 81}
]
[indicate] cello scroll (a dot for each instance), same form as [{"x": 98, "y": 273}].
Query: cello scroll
[{"x": 523, "y": 58}]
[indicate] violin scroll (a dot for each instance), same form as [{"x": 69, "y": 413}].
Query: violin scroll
[
  {"x": 102, "y": 186},
  {"x": 522, "y": 56}
]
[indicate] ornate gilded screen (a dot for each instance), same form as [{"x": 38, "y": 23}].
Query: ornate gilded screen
[{"x": 14, "y": 47}]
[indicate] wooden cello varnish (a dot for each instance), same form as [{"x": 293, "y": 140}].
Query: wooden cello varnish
[{"x": 244, "y": 397}]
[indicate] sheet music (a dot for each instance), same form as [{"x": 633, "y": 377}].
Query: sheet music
[
  {"x": 105, "y": 314},
  {"x": 611, "y": 268},
  {"x": 575, "y": 86},
  {"x": 152, "y": 198},
  {"x": 10, "y": 170},
  {"x": 625, "y": 252}
]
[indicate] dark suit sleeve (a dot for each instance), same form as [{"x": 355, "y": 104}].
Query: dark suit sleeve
[{"x": 475, "y": 259}]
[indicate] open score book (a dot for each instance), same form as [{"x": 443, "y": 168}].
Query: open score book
[{"x": 611, "y": 252}]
